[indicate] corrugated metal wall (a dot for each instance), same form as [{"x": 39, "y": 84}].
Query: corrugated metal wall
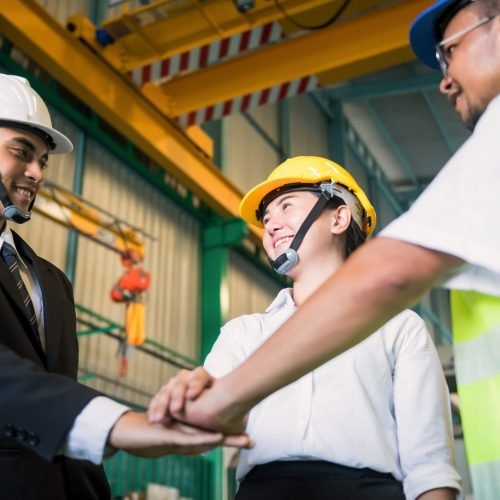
[
  {"x": 249, "y": 158},
  {"x": 308, "y": 128},
  {"x": 172, "y": 303}
]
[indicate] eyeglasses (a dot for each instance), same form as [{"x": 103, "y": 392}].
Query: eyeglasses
[{"x": 443, "y": 53}]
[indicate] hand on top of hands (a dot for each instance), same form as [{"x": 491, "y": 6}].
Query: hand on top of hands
[{"x": 188, "y": 397}]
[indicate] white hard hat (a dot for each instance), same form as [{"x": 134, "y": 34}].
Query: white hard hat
[{"x": 20, "y": 104}]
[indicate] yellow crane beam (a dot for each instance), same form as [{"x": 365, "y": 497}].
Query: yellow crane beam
[
  {"x": 73, "y": 212},
  {"x": 357, "y": 46},
  {"x": 31, "y": 29},
  {"x": 165, "y": 28}
]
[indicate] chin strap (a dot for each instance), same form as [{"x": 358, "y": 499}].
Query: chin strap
[
  {"x": 11, "y": 211},
  {"x": 289, "y": 259}
]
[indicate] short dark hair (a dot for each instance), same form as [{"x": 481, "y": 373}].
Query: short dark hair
[
  {"x": 354, "y": 235},
  {"x": 488, "y": 7},
  {"x": 484, "y": 8},
  {"x": 444, "y": 18}
]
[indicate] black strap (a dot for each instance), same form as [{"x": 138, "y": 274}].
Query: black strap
[
  {"x": 308, "y": 221},
  {"x": 291, "y": 254},
  {"x": 11, "y": 211}
]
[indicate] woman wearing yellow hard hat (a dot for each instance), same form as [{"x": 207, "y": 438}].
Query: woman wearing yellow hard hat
[
  {"x": 346, "y": 430},
  {"x": 334, "y": 186}
]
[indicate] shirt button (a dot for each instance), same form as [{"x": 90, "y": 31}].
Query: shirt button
[
  {"x": 21, "y": 434},
  {"x": 8, "y": 431},
  {"x": 33, "y": 439}
]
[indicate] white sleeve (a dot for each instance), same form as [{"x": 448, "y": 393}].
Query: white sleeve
[
  {"x": 87, "y": 438},
  {"x": 456, "y": 214},
  {"x": 422, "y": 411},
  {"x": 228, "y": 352}
]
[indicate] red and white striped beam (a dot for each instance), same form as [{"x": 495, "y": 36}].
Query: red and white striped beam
[
  {"x": 201, "y": 57},
  {"x": 226, "y": 48},
  {"x": 248, "y": 101}
]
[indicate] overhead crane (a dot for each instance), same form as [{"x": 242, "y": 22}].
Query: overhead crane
[
  {"x": 362, "y": 43},
  {"x": 350, "y": 49},
  {"x": 368, "y": 40},
  {"x": 72, "y": 211},
  {"x": 165, "y": 27}
]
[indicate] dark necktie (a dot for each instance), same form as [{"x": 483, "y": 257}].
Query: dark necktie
[{"x": 10, "y": 257}]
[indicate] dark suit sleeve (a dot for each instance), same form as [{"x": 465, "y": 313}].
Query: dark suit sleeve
[
  {"x": 38, "y": 408},
  {"x": 40, "y": 398}
]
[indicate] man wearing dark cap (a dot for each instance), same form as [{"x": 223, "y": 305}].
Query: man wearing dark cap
[{"x": 449, "y": 237}]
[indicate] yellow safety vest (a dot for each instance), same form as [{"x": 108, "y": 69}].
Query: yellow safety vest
[{"x": 476, "y": 338}]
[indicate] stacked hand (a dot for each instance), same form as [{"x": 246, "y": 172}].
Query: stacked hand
[
  {"x": 195, "y": 397},
  {"x": 183, "y": 418}
]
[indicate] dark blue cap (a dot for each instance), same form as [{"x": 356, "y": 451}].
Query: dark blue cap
[{"x": 424, "y": 34}]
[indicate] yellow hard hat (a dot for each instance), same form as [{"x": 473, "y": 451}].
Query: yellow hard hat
[{"x": 310, "y": 170}]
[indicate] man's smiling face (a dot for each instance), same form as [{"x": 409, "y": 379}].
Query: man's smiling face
[{"x": 23, "y": 159}]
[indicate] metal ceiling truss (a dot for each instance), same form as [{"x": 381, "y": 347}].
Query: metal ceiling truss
[
  {"x": 386, "y": 88},
  {"x": 393, "y": 145},
  {"x": 439, "y": 122}
]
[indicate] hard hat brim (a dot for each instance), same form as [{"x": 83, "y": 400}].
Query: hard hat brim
[
  {"x": 62, "y": 143},
  {"x": 253, "y": 198},
  {"x": 423, "y": 35}
]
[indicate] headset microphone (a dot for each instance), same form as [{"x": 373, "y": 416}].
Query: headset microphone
[
  {"x": 285, "y": 261},
  {"x": 11, "y": 211},
  {"x": 289, "y": 259}
]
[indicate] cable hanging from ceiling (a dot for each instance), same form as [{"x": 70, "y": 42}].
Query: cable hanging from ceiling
[{"x": 321, "y": 26}]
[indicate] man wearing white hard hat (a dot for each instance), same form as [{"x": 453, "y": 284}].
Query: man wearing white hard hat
[
  {"x": 449, "y": 237},
  {"x": 53, "y": 431}
]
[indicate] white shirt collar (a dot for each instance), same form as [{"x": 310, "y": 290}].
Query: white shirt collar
[
  {"x": 283, "y": 299},
  {"x": 8, "y": 237}
]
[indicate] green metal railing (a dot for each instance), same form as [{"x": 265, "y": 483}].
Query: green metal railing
[
  {"x": 192, "y": 476},
  {"x": 95, "y": 323}
]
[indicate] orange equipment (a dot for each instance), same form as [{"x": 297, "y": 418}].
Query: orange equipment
[{"x": 129, "y": 289}]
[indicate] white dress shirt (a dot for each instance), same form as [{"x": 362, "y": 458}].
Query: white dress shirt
[
  {"x": 383, "y": 404},
  {"x": 89, "y": 433},
  {"x": 457, "y": 213},
  {"x": 30, "y": 282}
]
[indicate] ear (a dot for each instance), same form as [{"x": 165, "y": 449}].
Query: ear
[{"x": 341, "y": 218}]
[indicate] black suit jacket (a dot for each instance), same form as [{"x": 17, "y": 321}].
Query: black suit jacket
[{"x": 40, "y": 397}]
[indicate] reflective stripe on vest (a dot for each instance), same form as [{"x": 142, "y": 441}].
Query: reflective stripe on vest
[{"x": 476, "y": 338}]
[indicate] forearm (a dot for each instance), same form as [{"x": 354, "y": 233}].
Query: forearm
[
  {"x": 376, "y": 283},
  {"x": 438, "y": 494}
]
